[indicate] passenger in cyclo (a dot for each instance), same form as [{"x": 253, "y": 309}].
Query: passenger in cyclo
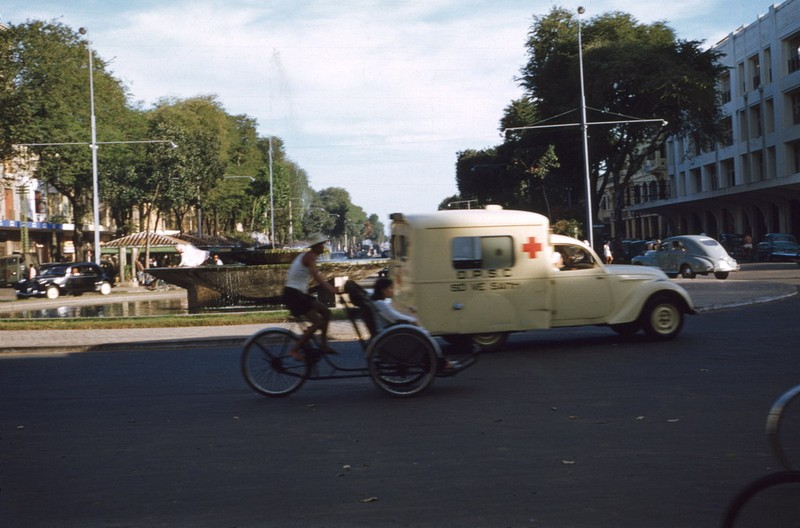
[
  {"x": 387, "y": 315},
  {"x": 300, "y": 303},
  {"x": 382, "y": 295}
]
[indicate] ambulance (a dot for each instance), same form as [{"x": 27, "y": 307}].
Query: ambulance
[{"x": 479, "y": 274}]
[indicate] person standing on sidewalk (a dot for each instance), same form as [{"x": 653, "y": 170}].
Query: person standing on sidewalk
[{"x": 607, "y": 252}]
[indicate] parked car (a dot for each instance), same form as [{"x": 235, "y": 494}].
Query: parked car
[
  {"x": 689, "y": 255},
  {"x": 733, "y": 244},
  {"x": 73, "y": 278},
  {"x": 778, "y": 246}
]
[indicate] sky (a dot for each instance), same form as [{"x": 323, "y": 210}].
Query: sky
[{"x": 376, "y": 97}]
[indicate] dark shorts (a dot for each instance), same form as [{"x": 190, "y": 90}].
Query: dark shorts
[{"x": 297, "y": 302}]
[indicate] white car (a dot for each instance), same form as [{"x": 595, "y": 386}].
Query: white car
[
  {"x": 485, "y": 273},
  {"x": 689, "y": 256}
]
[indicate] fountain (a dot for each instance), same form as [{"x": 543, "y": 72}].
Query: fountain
[{"x": 236, "y": 285}]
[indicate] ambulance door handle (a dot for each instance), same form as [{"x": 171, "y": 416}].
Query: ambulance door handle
[{"x": 458, "y": 306}]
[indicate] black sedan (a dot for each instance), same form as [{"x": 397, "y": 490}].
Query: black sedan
[{"x": 73, "y": 278}]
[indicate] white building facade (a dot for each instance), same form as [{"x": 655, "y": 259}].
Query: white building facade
[{"x": 750, "y": 182}]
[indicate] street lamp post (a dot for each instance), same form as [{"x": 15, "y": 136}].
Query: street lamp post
[
  {"x": 93, "y": 146},
  {"x": 584, "y": 129}
]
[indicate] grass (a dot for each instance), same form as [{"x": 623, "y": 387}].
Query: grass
[{"x": 160, "y": 321}]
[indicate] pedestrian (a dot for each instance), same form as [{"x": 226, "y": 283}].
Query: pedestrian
[
  {"x": 300, "y": 303},
  {"x": 31, "y": 273},
  {"x": 748, "y": 246},
  {"x": 607, "y": 252},
  {"x": 217, "y": 260}
]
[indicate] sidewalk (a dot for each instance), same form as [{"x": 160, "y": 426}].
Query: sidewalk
[{"x": 708, "y": 295}]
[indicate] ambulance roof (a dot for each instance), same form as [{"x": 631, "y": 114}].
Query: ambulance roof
[{"x": 490, "y": 217}]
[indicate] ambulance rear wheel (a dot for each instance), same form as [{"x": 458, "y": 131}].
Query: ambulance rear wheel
[{"x": 489, "y": 342}]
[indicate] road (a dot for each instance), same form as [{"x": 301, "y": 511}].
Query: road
[{"x": 568, "y": 428}]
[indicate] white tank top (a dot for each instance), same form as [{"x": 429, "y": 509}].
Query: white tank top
[{"x": 299, "y": 275}]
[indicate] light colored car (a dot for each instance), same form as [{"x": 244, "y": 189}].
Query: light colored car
[
  {"x": 689, "y": 256},
  {"x": 474, "y": 276}
]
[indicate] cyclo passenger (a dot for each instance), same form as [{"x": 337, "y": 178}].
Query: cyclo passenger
[
  {"x": 382, "y": 295},
  {"x": 300, "y": 303}
]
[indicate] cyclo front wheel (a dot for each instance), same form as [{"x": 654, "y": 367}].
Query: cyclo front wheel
[
  {"x": 783, "y": 428},
  {"x": 402, "y": 360},
  {"x": 772, "y": 500},
  {"x": 267, "y": 366}
]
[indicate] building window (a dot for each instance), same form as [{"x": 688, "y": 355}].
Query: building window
[
  {"x": 695, "y": 180},
  {"x": 755, "y": 71},
  {"x": 725, "y": 87},
  {"x": 767, "y": 66},
  {"x": 755, "y": 120},
  {"x": 726, "y": 131},
  {"x": 728, "y": 172},
  {"x": 769, "y": 116},
  {"x": 793, "y": 53},
  {"x": 712, "y": 177},
  {"x": 795, "y": 100},
  {"x": 795, "y": 150},
  {"x": 743, "y": 130},
  {"x": 757, "y": 166},
  {"x": 742, "y": 78}
]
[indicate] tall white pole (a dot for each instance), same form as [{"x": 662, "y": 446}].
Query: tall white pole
[
  {"x": 271, "y": 200},
  {"x": 93, "y": 146},
  {"x": 584, "y": 129}
]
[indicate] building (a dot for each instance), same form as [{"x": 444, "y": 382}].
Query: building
[{"x": 750, "y": 182}]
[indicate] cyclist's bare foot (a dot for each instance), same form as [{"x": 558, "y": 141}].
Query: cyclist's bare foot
[{"x": 296, "y": 354}]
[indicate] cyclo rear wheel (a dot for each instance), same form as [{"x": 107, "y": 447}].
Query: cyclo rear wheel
[
  {"x": 267, "y": 366},
  {"x": 402, "y": 360}
]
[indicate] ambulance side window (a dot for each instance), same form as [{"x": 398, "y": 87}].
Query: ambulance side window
[{"x": 492, "y": 252}]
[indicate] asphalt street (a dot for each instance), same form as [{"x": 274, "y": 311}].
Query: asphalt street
[{"x": 573, "y": 428}]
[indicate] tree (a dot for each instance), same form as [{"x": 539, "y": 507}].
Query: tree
[
  {"x": 45, "y": 98},
  {"x": 180, "y": 178},
  {"x": 631, "y": 71}
]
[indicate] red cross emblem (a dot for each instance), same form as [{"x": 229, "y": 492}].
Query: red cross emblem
[{"x": 531, "y": 247}]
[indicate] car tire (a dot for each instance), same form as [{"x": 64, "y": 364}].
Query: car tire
[
  {"x": 662, "y": 318},
  {"x": 721, "y": 275},
  {"x": 105, "y": 288},
  {"x": 687, "y": 272},
  {"x": 489, "y": 342},
  {"x": 52, "y": 292}
]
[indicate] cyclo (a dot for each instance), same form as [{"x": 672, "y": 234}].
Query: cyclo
[{"x": 402, "y": 359}]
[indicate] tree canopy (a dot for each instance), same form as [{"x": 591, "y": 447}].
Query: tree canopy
[
  {"x": 221, "y": 166},
  {"x": 632, "y": 72}
]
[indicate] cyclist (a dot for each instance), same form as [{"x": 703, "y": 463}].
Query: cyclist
[{"x": 298, "y": 300}]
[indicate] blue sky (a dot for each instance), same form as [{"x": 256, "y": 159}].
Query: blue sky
[{"x": 376, "y": 97}]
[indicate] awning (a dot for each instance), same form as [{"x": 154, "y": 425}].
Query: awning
[{"x": 158, "y": 243}]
